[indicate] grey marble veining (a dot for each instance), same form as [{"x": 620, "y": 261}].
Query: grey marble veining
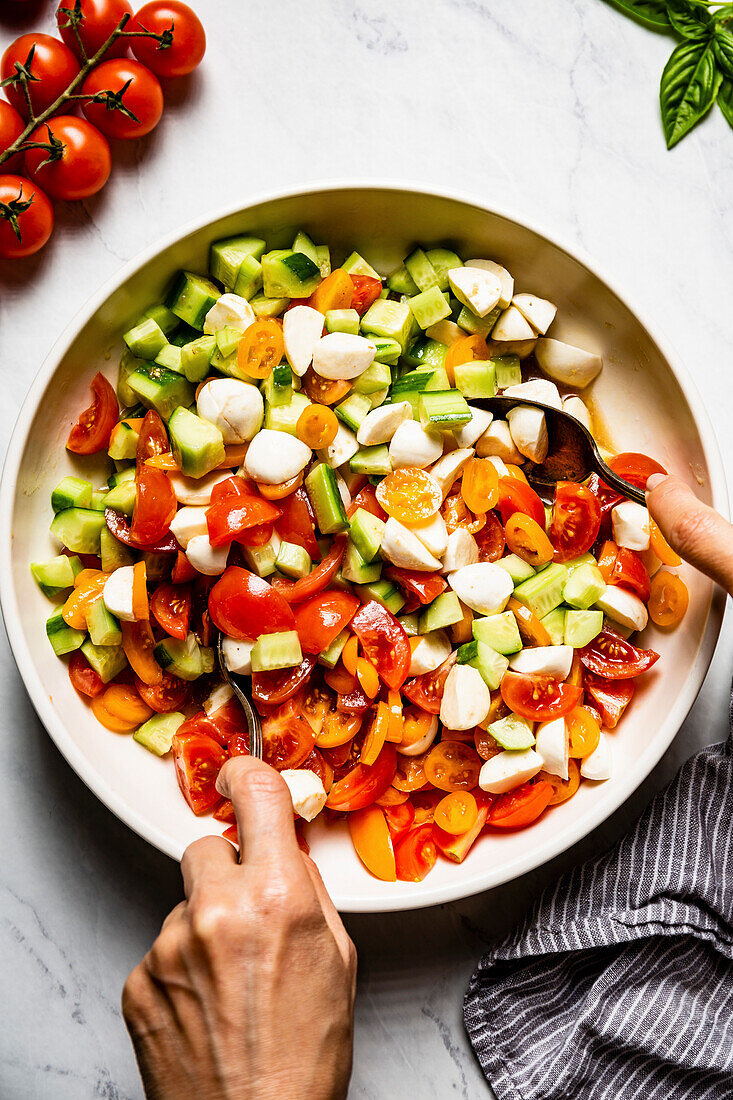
[{"x": 548, "y": 108}]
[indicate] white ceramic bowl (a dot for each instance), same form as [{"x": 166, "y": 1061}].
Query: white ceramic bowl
[{"x": 648, "y": 403}]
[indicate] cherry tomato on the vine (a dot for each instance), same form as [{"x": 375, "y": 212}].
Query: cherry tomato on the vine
[
  {"x": 78, "y": 162},
  {"x": 52, "y": 67},
  {"x": 26, "y": 217},
  {"x": 98, "y": 19},
  {"x": 11, "y": 127},
  {"x": 132, "y": 87},
  {"x": 188, "y": 40}
]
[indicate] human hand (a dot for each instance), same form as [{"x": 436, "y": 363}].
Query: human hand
[
  {"x": 248, "y": 991},
  {"x": 697, "y": 532}
]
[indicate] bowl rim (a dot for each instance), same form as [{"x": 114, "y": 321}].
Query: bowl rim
[{"x": 427, "y": 895}]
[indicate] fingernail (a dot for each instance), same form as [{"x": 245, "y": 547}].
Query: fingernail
[
  {"x": 654, "y": 480},
  {"x": 222, "y": 784}
]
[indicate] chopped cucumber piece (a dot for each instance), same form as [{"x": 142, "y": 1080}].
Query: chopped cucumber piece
[
  {"x": 127, "y": 473},
  {"x": 167, "y": 321},
  {"x": 584, "y": 586},
  {"x": 576, "y": 563},
  {"x": 282, "y": 376},
  {"x": 512, "y": 733},
  {"x": 323, "y": 259},
  {"x": 477, "y": 326},
  {"x": 156, "y": 735},
  {"x": 71, "y": 492},
  {"x": 356, "y": 569},
  {"x": 498, "y": 631},
  {"x": 78, "y": 529},
  {"x": 357, "y": 265},
  {"x": 508, "y": 371},
  {"x": 197, "y": 445},
  {"x": 442, "y": 261},
  {"x": 304, "y": 244},
  {"x": 353, "y": 409},
  {"x": 292, "y": 560},
  {"x": 98, "y": 498},
  {"x": 388, "y": 350},
  {"x": 275, "y": 392},
  {"x": 195, "y": 357},
  {"x": 371, "y": 460},
  {"x": 443, "y": 409},
  {"x": 272, "y": 651},
  {"x": 581, "y": 627},
  {"x": 261, "y": 559},
  {"x": 284, "y": 417},
  {"x": 378, "y": 398},
  {"x": 477, "y": 379},
  {"x": 128, "y": 364},
  {"x": 517, "y": 569},
  {"x": 442, "y": 612},
  {"x": 343, "y": 320},
  {"x": 106, "y": 660},
  {"x": 191, "y": 298},
  {"x": 63, "y": 637},
  {"x": 401, "y": 282},
  {"x": 170, "y": 356},
  {"x": 146, "y": 339},
  {"x": 268, "y": 307},
  {"x": 56, "y": 575},
  {"x": 490, "y": 664},
  {"x": 227, "y": 340},
  {"x": 330, "y": 656},
  {"x": 323, "y": 493},
  {"x": 367, "y": 532},
  {"x": 184, "y": 658},
  {"x": 543, "y": 592},
  {"x": 226, "y": 257},
  {"x": 122, "y": 498},
  {"x": 123, "y": 442},
  {"x": 429, "y": 307},
  {"x": 410, "y": 624},
  {"x": 421, "y": 271},
  {"x": 426, "y": 352},
  {"x": 161, "y": 388},
  {"x": 385, "y": 592},
  {"x": 392, "y": 319},
  {"x": 112, "y": 552},
  {"x": 249, "y": 278},
  {"x": 289, "y": 274},
  {"x": 554, "y": 624},
  {"x": 104, "y": 629}
]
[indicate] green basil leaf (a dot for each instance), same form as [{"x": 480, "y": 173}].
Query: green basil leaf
[
  {"x": 690, "y": 18},
  {"x": 690, "y": 83},
  {"x": 725, "y": 100},
  {"x": 651, "y": 12},
  {"x": 723, "y": 49}
]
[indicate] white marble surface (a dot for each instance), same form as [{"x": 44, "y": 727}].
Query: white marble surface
[{"x": 547, "y": 108}]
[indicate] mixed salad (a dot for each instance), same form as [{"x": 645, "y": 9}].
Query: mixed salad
[{"x": 302, "y": 462}]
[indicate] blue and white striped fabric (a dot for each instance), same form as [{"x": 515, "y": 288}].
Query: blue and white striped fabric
[{"x": 620, "y": 984}]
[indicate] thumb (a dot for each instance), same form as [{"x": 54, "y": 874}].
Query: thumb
[
  {"x": 697, "y": 532},
  {"x": 264, "y": 811}
]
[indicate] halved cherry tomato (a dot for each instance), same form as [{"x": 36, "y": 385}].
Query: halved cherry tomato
[
  {"x": 466, "y": 349},
  {"x": 635, "y": 468},
  {"x": 576, "y": 520},
  {"x": 120, "y": 528},
  {"x": 83, "y": 677},
  {"x": 335, "y": 292},
  {"x": 365, "y": 783},
  {"x": 518, "y": 808},
  {"x": 86, "y": 593},
  {"x": 355, "y": 701},
  {"x": 317, "y": 426},
  {"x": 416, "y": 725},
  {"x": 330, "y": 726},
  {"x": 480, "y": 485},
  {"x": 316, "y": 762},
  {"x": 607, "y": 497},
  {"x": 376, "y": 735},
  {"x": 531, "y": 630},
  {"x": 456, "y": 813},
  {"x": 287, "y": 738},
  {"x": 234, "y": 516},
  {"x": 225, "y": 812},
  {"x": 486, "y": 745},
  {"x": 93, "y": 428},
  {"x": 198, "y": 760},
  {"x": 490, "y": 539},
  {"x": 340, "y": 679},
  {"x": 371, "y": 838},
  {"x": 324, "y": 391},
  {"x": 453, "y": 766},
  {"x": 426, "y": 586},
  {"x": 668, "y": 600},
  {"x": 426, "y": 690},
  {"x": 261, "y": 348},
  {"x": 410, "y": 773},
  {"x": 384, "y": 642},
  {"x": 244, "y": 606},
  {"x": 170, "y": 694},
  {"x": 138, "y": 643},
  {"x": 456, "y": 513},
  {"x": 612, "y": 656},
  {"x": 296, "y": 524},
  {"x": 317, "y": 579},
  {"x": 392, "y": 797},
  {"x": 630, "y": 572},
  {"x": 272, "y": 688},
  {"x": 183, "y": 571},
  {"x": 140, "y": 602},
  {"x": 416, "y": 854},
  {"x": 409, "y": 494},
  {"x": 517, "y": 496},
  {"x": 366, "y": 498},
  {"x": 123, "y": 708},
  {"x": 607, "y": 559},
  {"x": 562, "y": 789},
  {"x": 462, "y": 631},
  {"x": 661, "y": 547},
  {"x": 610, "y": 696},
  {"x": 399, "y": 816},
  {"x": 155, "y": 507},
  {"x": 171, "y": 608},
  {"x": 457, "y": 847},
  {"x": 583, "y": 732},
  {"x": 165, "y": 462},
  {"x": 366, "y": 291},
  {"x": 225, "y": 724},
  {"x": 152, "y": 439},
  {"x": 528, "y": 540},
  {"x": 538, "y": 698}
]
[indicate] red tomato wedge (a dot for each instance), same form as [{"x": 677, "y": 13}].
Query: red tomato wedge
[
  {"x": 366, "y": 291},
  {"x": 244, "y": 606},
  {"x": 296, "y": 525},
  {"x": 635, "y": 468},
  {"x": 232, "y": 517},
  {"x": 384, "y": 642},
  {"x": 353, "y": 702},
  {"x": 490, "y": 539},
  {"x": 224, "y": 725},
  {"x": 538, "y": 698},
  {"x": 365, "y": 783},
  {"x": 287, "y": 738},
  {"x": 170, "y": 694},
  {"x": 198, "y": 760},
  {"x": 607, "y": 497},
  {"x": 517, "y": 496},
  {"x": 120, "y": 528},
  {"x": 83, "y": 677},
  {"x": 426, "y": 586},
  {"x": 171, "y": 608},
  {"x": 320, "y": 620},
  {"x": 366, "y": 498},
  {"x": 93, "y": 428},
  {"x": 630, "y": 572},
  {"x": 272, "y": 688},
  {"x": 153, "y": 438},
  {"x": 611, "y": 697},
  {"x": 155, "y": 507},
  {"x": 518, "y": 808},
  {"x": 182, "y": 571},
  {"x": 317, "y": 579},
  {"x": 416, "y": 854},
  {"x": 576, "y": 520},
  {"x": 612, "y": 656},
  {"x": 426, "y": 691}
]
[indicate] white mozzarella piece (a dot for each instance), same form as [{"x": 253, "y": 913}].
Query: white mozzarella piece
[
  {"x": 499, "y": 465},
  {"x": 343, "y": 448},
  {"x": 220, "y": 695},
  {"x": 462, "y": 549},
  {"x": 538, "y": 311},
  {"x": 302, "y": 329},
  {"x": 466, "y": 698},
  {"x": 306, "y": 791},
  {"x": 520, "y": 348},
  {"x": 623, "y": 607},
  {"x": 544, "y": 660},
  {"x": 537, "y": 389},
  {"x": 630, "y": 522},
  {"x": 508, "y": 770},
  {"x": 446, "y": 469},
  {"x": 552, "y": 746},
  {"x": 497, "y": 440},
  {"x": 230, "y": 309},
  {"x": 379, "y": 425},
  {"x": 578, "y": 408},
  {"x": 192, "y": 490},
  {"x": 117, "y": 593},
  {"x": 274, "y": 457},
  {"x": 412, "y": 445},
  {"x": 209, "y": 560},
  {"x": 484, "y": 587},
  {"x": 432, "y": 649},
  {"x": 506, "y": 281},
  {"x": 421, "y": 746},
  {"x": 235, "y": 407},
  {"x": 404, "y": 549},
  {"x": 433, "y": 534},
  {"x": 528, "y": 428},
  {"x": 475, "y": 288},
  {"x": 467, "y": 435},
  {"x": 445, "y": 332},
  {"x": 343, "y": 355},
  {"x": 567, "y": 364},
  {"x": 237, "y": 655},
  {"x": 598, "y": 766},
  {"x": 512, "y": 326},
  {"x": 188, "y": 523}
]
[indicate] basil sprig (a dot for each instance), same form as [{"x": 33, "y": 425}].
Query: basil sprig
[{"x": 700, "y": 68}]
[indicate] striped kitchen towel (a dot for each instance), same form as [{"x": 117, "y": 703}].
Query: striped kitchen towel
[{"x": 620, "y": 983}]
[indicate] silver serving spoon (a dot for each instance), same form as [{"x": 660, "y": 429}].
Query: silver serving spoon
[
  {"x": 572, "y": 455},
  {"x": 254, "y": 725}
]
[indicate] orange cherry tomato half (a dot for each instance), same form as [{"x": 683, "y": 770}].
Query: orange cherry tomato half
[
  {"x": 261, "y": 348},
  {"x": 79, "y": 604},
  {"x": 409, "y": 495},
  {"x": 138, "y": 643},
  {"x": 125, "y": 706},
  {"x": 661, "y": 547},
  {"x": 531, "y": 630},
  {"x": 456, "y": 513},
  {"x": 170, "y": 694},
  {"x": 410, "y": 773},
  {"x": 607, "y": 559},
  {"x": 583, "y": 732},
  {"x": 140, "y": 602},
  {"x": 335, "y": 292},
  {"x": 518, "y": 808},
  {"x": 668, "y": 599},
  {"x": 518, "y": 496},
  {"x": 92, "y": 430},
  {"x": 324, "y": 391},
  {"x": 317, "y": 426},
  {"x": 562, "y": 789},
  {"x": 456, "y": 847},
  {"x": 528, "y": 541},
  {"x": 453, "y": 766},
  {"x": 466, "y": 349},
  {"x": 480, "y": 485},
  {"x": 456, "y": 813},
  {"x": 371, "y": 838}
]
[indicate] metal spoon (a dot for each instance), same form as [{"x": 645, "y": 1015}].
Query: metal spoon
[
  {"x": 572, "y": 454},
  {"x": 254, "y": 725}
]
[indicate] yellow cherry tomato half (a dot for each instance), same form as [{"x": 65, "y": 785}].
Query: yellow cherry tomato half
[
  {"x": 480, "y": 485},
  {"x": 409, "y": 495},
  {"x": 661, "y": 547},
  {"x": 528, "y": 541},
  {"x": 583, "y": 731},
  {"x": 456, "y": 813},
  {"x": 563, "y": 789},
  {"x": 372, "y": 842},
  {"x": 261, "y": 348},
  {"x": 317, "y": 426},
  {"x": 668, "y": 599}
]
